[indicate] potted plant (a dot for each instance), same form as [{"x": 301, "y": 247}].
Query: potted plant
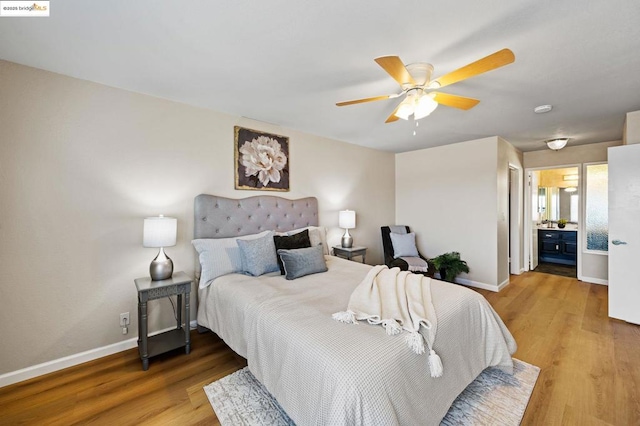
[
  {"x": 562, "y": 223},
  {"x": 450, "y": 265}
]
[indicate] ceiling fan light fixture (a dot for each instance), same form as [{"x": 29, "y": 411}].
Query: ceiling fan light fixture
[
  {"x": 557, "y": 144},
  {"x": 424, "y": 106},
  {"x": 405, "y": 109}
]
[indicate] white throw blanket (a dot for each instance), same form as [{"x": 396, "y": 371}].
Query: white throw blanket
[{"x": 399, "y": 301}]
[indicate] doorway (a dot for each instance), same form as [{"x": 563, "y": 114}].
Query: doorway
[
  {"x": 553, "y": 220},
  {"x": 514, "y": 212}
]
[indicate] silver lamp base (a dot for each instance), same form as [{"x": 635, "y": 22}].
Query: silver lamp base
[
  {"x": 347, "y": 240},
  {"x": 161, "y": 267}
]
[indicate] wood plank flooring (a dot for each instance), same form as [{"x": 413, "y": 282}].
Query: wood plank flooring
[
  {"x": 590, "y": 364},
  {"x": 115, "y": 391},
  {"x": 590, "y": 368}
]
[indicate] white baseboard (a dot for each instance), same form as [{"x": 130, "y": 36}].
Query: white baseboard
[
  {"x": 594, "y": 280},
  {"x": 75, "y": 359},
  {"x": 477, "y": 284},
  {"x": 484, "y": 286},
  {"x": 503, "y": 284}
]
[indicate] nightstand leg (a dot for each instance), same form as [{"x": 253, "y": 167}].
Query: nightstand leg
[
  {"x": 144, "y": 352},
  {"x": 179, "y": 313},
  {"x": 187, "y": 321}
]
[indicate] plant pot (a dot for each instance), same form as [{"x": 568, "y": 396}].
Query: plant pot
[
  {"x": 443, "y": 274},
  {"x": 562, "y": 225}
]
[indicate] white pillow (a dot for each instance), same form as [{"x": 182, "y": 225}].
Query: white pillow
[
  {"x": 404, "y": 245},
  {"x": 220, "y": 256},
  {"x": 317, "y": 236}
]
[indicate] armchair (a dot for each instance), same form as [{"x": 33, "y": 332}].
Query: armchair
[{"x": 391, "y": 262}]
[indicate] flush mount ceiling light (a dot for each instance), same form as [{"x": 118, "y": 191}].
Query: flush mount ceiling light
[
  {"x": 542, "y": 109},
  {"x": 571, "y": 189},
  {"x": 557, "y": 144},
  {"x": 570, "y": 177}
]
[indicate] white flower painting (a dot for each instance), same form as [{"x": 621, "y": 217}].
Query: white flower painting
[{"x": 261, "y": 160}]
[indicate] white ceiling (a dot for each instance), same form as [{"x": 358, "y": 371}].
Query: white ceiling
[{"x": 288, "y": 62}]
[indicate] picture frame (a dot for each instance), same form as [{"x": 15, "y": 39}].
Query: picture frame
[{"x": 261, "y": 160}]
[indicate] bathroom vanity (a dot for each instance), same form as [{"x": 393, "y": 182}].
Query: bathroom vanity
[{"x": 557, "y": 245}]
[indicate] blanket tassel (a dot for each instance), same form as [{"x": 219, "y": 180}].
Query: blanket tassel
[
  {"x": 347, "y": 317},
  {"x": 415, "y": 342},
  {"x": 435, "y": 364},
  {"x": 392, "y": 326}
]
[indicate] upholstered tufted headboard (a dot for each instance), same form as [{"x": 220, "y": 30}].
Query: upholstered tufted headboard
[{"x": 220, "y": 217}]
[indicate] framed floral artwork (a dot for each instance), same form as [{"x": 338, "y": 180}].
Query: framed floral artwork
[{"x": 261, "y": 160}]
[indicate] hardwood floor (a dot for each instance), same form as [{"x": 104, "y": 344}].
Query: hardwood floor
[
  {"x": 115, "y": 391},
  {"x": 590, "y": 368},
  {"x": 590, "y": 364}
]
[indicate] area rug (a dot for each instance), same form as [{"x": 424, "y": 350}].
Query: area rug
[{"x": 494, "y": 398}]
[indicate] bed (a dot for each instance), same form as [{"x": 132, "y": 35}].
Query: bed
[{"x": 323, "y": 372}]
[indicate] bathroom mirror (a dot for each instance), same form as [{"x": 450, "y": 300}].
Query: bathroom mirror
[
  {"x": 557, "y": 194},
  {"x": 558, "y": 203}
]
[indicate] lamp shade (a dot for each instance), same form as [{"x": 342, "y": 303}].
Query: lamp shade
[
  {"x": 347, "y": 219},
  {"x": 160, "y": 231}
]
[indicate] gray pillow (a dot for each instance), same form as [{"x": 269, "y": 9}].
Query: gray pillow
[
  {"x": 258, "y": 255},
  {"x": 220, "y": 256},
  {"x": 303, "y": 261},
  {"x": 404, "y": 245}
]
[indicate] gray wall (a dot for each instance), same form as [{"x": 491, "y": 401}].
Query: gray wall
[
  {"x": 82, "y": 164},
  {"x": 455, "y": 197}
]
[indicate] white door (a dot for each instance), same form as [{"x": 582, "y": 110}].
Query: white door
[
  {"x": 624, "y": 232},
  {"x": 535, "y": 213}
]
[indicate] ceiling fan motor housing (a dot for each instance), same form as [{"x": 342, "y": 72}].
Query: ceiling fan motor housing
[{"x": 421, "y": 73}]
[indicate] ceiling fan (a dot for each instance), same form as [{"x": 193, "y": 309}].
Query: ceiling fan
[{"x": 421, "y": 97}]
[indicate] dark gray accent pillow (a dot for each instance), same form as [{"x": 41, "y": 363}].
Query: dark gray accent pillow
[
  {"x": 299, "y": 240},
  {"x": 259, "y": 255},
  {"x": 303, "y": 261}
]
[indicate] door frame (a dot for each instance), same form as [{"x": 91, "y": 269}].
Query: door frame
[
  {"x": 515, "y": 220},
  {"x": 528, "y": 219}
]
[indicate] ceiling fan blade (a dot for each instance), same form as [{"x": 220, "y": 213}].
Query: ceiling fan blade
[
  {"x": 396, "y": 69},
  {"x": 488, "y": 63},
  {"x": 455, "y": 101},
  {"x": 393, "y": 117},
  {"x": 361, "y": 101}
]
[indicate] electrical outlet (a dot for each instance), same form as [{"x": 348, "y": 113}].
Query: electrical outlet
[{"x": 124, "y": 319}]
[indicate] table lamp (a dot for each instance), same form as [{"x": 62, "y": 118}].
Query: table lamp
[
  {"x": 160, "y": 232},
  {"x": 347, "y": 220}
]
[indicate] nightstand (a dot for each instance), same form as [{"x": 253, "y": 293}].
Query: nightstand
[
  {"x": 350, "y": 253},
  {"x": 179, "y": 284}
]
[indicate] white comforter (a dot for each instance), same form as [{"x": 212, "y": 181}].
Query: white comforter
[{"x": 324, "y": 372}]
